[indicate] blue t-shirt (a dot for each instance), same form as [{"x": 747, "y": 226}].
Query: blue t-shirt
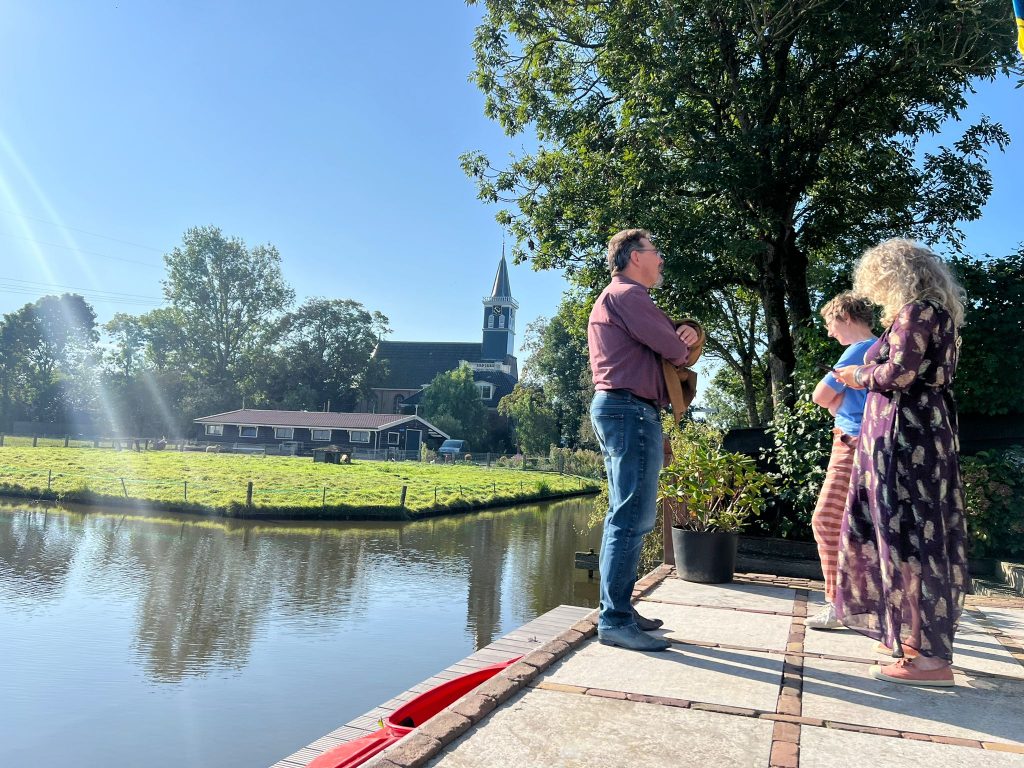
[{"x": 851, "y": 410}]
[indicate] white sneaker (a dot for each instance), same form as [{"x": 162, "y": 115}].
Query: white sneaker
[{"x": 826, "y": 619}]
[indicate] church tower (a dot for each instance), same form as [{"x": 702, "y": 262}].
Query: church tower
[{"x": 499, "y": 317}]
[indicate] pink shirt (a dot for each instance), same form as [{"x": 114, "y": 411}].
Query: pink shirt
[{"x": 626, "y": 334}]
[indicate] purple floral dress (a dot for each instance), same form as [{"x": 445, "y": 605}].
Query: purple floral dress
[{"x": 903, "y": 543}]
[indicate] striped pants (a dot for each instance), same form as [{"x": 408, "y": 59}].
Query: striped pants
[{"x": 828, "y": 513}]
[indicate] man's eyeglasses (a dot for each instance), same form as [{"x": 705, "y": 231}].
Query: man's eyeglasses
[{"x": 660, "y": 254}]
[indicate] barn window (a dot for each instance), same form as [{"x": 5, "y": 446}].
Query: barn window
[
  {"x": 393, "y": 438},
  {"x": 359, "y": 436},
  {"x": 215, "y": 429},
  {"x": 284, "y": 433},
  {"x": 323, "y": 435},
  {"x": 247, "y": 431}
]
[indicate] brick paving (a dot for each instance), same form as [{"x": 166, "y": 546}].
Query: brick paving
[{"x": 739, "y": 686}]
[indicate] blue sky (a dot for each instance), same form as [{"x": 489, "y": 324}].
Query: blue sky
[{"x": 329, "y": 129}]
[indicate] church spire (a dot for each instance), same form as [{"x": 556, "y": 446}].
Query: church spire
[{"x": 501, "y": 289}]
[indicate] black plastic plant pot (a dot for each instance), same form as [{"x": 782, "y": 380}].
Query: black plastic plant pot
[{"x": 709, "y": 558}]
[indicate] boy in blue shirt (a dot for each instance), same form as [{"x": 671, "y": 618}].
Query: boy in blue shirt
[{"x": 848, "y": 319}]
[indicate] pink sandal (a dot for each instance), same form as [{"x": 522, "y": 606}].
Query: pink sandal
[{"x": 904, "y": 671}]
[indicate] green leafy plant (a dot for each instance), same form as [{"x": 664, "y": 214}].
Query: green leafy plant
[
  {"x": 708, "y": 489},
  {"x": 801, "y": 440},
  {"x": 994, "y": 490}
]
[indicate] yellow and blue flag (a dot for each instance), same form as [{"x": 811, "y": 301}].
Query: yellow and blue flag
[{"x": 1018, "y": 11}]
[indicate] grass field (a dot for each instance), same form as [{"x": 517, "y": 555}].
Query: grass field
[{"x": 286, "y": 487}]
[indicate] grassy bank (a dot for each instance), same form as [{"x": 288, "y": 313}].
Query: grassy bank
[{"x": 282, "y": 487}]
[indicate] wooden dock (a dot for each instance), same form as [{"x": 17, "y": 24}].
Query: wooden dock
[{"x": 519, "y": 642}]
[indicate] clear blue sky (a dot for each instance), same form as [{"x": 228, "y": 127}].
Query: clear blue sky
[{"x": 329, "y": 129}]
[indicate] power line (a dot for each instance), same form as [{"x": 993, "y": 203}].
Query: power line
[
  {"x": 80, "y": 250},
  {"x": 16, "y": 287},
  {"x": 83, "y": 231},
  {"x": 97, "y": 291}
]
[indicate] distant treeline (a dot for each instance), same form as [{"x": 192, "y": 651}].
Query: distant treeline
[{"x": 229, "y": 332}]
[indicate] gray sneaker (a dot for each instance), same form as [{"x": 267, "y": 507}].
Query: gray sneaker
[
  {"x": 632, "y": 638},
  {"x": 825, "y": 619}
]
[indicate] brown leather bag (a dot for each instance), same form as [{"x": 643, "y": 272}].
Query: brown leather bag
[{"x": 680, "y": 380}]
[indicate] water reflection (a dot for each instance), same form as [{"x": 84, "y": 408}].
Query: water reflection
[{"x": 263, "y": 609}]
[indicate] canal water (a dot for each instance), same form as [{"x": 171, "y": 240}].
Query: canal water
[{"x": 168, "y": 640}]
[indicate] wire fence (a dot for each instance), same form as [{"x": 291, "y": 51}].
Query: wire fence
[{"x": 375, "y": 492}]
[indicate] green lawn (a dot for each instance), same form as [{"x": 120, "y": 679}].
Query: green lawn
[{"x": 282, "y": 486}]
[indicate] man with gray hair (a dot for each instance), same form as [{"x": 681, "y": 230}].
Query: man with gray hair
[{"x": 628, "y": 337}]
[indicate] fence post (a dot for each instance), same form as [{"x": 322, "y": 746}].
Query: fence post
[
  {"x": 186, "y": 490},
  {"x": 402, "y": 502},
  {"x": 323, "y": 503},
  {"x": 435, "y": 494},
  {"x": 66, "y": 439},
  {"x": 49, "y": 479},
  {"x": 124, "y": 488},
  {"x": 1, "y": 441},
  {"x": 35, "y": 440},
  {"x": 248, "y": 495}
]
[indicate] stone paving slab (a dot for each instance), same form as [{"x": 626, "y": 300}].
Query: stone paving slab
[
  {"x": 714, "y": 625},
  {"x": 713, "y": 675},
  {"x": 549, "y": 728},
  {"x": 1009, "y": 620},
  {"x": 735, "y": 697},
  {"x": 981, "y": 708},
  {"x": 974, "y": 649},
  {"x": 748, "y": 596},
  {"x": 819, "y": 748}
]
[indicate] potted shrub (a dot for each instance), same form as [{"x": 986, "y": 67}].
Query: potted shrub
[{"x": 709, "y": 494}]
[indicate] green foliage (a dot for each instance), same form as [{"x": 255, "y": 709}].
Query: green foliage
[
  {"x": 728, "y": 399},
  {"x": 558, "y": 362},
  {"x": 532, "y": 417},
  {"x": 758, "y": 147},
  {"x": 47, "y": 359},
  {"x": 801, "y": 443},
  {"x": 323, "y": 355},
  {"x": 994, "y": 489},
  {"x": 452, "y": 403},
  {"x": 992, "y": 353},
  {"x": 579, "y": 462},
  {"x": 708, "y": 489}
]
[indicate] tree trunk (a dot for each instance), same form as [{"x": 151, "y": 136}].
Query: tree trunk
[
  {"x": 771, "y": 287},
  {"x": 794, "y": 264}
]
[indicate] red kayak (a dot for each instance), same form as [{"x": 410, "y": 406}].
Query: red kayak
[{"x": 413, "y": 713}]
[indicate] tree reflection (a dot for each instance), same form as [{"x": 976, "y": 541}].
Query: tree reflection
[{"x": 205, "y": 590}]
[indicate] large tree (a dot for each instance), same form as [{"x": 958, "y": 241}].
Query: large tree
[
  {"x": 226, "y": 297},
  {"x": 452, "y": 403},
  {"x": 757, "y": 140},
  {"x": 323, "y": 355},
  {"x": 47, "y": 351},
  {"x": 558, "y": 362},
  {"x": 533, "y": 419}
]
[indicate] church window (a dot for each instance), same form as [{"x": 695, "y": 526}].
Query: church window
[
  {"x": 490, "y": 321},
  {"x": 501, "y": 321}
]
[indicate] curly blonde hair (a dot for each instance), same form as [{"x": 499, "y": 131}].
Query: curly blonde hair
[{"x": 897, "y": 272}]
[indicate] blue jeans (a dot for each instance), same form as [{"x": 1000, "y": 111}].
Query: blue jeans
[{"x": 629, "y": 431}]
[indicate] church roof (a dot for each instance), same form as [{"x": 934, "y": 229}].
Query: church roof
[{"x": 414, "y": 364}]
